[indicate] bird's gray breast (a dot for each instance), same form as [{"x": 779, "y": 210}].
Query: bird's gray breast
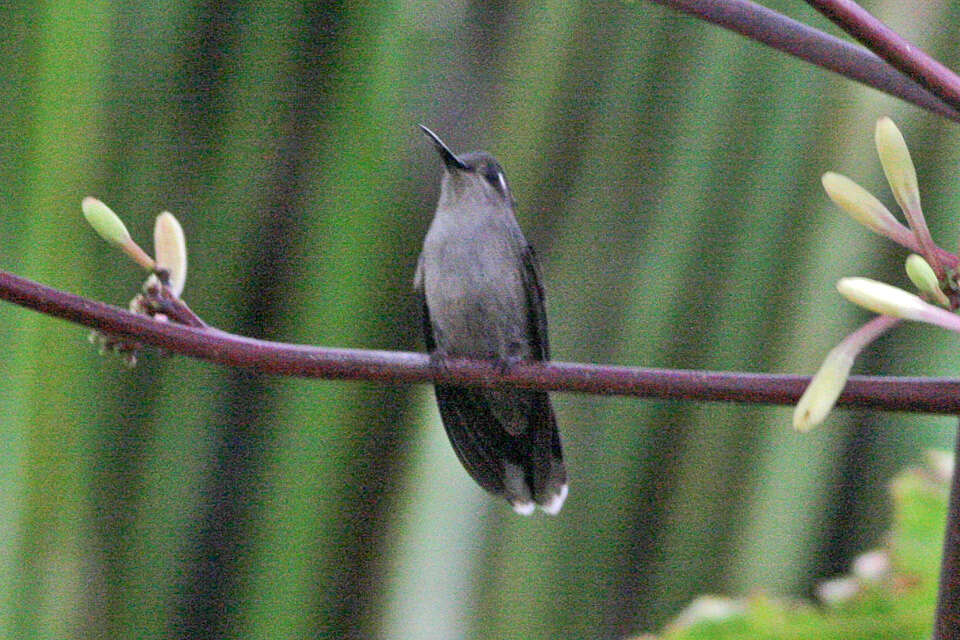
[{"x": 474, "y": 291}]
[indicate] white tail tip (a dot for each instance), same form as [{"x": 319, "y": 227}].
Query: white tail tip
[
  {"x": 524, "y": 508},
  {"x": 556, "y": 502}
]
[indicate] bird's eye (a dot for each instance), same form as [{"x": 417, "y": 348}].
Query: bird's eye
[{"x": 493, "y": 175}]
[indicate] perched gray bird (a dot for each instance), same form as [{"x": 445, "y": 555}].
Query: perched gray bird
[{"x": 482, "y": 298}]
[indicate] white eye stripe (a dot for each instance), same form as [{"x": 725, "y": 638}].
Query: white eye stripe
[{"x": 494, "y": 176}]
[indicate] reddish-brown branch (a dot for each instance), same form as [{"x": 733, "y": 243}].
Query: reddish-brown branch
[
  {"x": 816, "y": 47},
  {"x": 904, "y": 394}
]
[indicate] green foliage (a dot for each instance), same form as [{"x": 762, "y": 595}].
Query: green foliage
[{"x": 896, "y": 603}]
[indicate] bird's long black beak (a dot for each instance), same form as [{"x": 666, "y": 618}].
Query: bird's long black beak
[{"x": 449, "y": 159}]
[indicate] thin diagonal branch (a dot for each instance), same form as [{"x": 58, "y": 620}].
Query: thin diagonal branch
[
  {"x": 889, "y": 45},
  {"x": 814, "y": 46},
  {"x": 931, "y": 395}
]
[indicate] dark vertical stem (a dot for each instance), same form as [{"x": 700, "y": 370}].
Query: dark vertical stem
[
  {"x": 207, "y": 600},
  {"x": 210, "y": 598},
  {"x": 947, "y": 622}
]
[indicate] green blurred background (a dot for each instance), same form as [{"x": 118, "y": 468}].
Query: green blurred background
[{"x": 667, "y": 172}]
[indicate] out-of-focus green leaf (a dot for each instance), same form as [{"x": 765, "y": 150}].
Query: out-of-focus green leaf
[{"x": 896, "y": 603}]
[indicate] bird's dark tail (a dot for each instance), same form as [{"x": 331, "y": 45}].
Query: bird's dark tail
[{"x": 523, "y": 462}]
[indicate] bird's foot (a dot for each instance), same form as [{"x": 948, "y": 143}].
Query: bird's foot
[
  {"x": 505, "y": 365},
  {"x": 438, "y": 361}
]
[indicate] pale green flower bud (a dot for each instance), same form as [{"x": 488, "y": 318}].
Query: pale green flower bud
[
  {"x": 882, "y": 298},
  {"x": 170, "y": 246},
  {"x": 825, "y": 387},
  {"x": 897, "y": 165},
  {"x": 105, "y": 222},
  {"x": 109, "y": 226},
  {"x": 859, "y": 203},
  {"x": 886, "y": 299},
  {"x": 922, "y": 276}
]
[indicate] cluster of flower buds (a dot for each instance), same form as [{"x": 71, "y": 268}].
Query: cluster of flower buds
[
  {"x": 932, "y": 270},
  {"x": 168, "y": 270}
]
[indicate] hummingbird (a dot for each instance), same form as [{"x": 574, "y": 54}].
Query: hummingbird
[{"x": 482, "y": 298}]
